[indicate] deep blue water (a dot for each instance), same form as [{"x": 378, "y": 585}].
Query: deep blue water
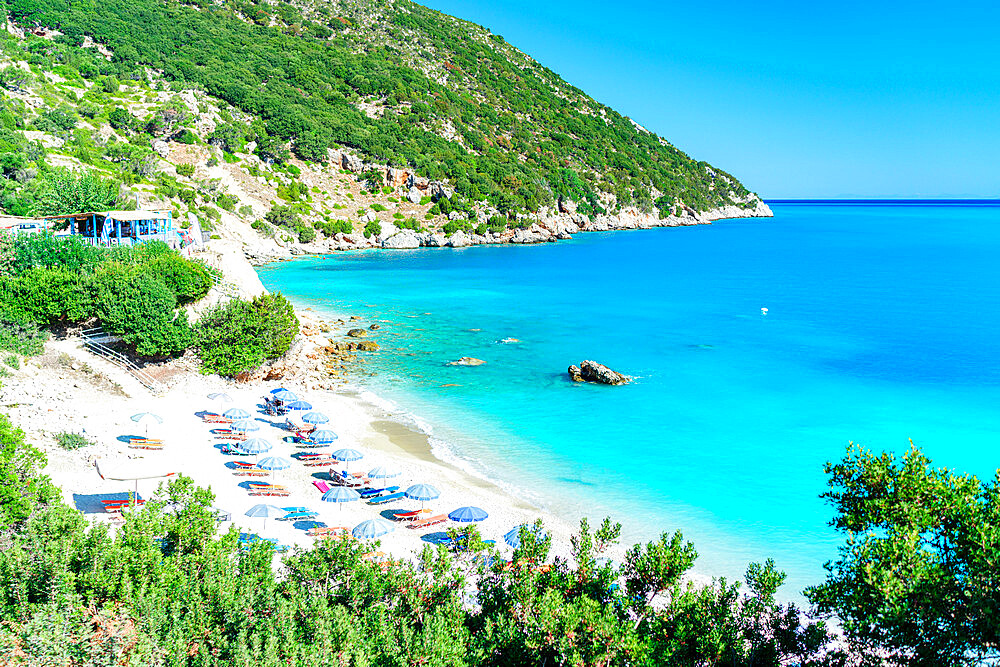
[{"x": 882, "y": 326}]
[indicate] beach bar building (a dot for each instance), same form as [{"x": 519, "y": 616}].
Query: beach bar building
[{"x": 110, "y": 228}]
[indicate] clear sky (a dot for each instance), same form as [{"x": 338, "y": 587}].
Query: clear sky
[{"x": 796, "y": 99}]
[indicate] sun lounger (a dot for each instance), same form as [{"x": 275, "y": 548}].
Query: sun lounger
[
  {"x": 260, "y": 485},
  {"x": 321, "y": 485},
  {"x": 379, "y": 500},
  {"x": 145, "y": 443},
  {"x": 244, "y": 464},
  {"x": 411, "y": 515},
  {"x": 432, "y": 521},
  {"x": 317, "y": 462},
  {"x": 295, "y": 516},
  {"x": 216, "y": 419},
  {"x": 320, "y": 531},
  {"x": 267, "y": 491},
  {"x": 371, "y": 493},
  {"x": 250, "y": 472}
]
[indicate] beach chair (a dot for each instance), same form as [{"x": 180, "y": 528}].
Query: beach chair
[
  {"x": 296, "y": 516},
  {"x": 320, "y": 531},
  {"x": 244, "y": 464},
  {"x": 145, "y": 443},
  {"x": 269, "y": 491},
  {"x": 371, "y": 493},
  {"x": 425, "y": 523},
  {"x": 380, "y": 500},
  {"x": 312, "y": 463},
  {"x": 409, "y": 515},
  {"x": 216, "y": 419},
  {"x": 250, "y": 472},
  {"x": 321, "y": 485}
]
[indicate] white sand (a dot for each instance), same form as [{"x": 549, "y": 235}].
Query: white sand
[{"x": 70, "y": 389}]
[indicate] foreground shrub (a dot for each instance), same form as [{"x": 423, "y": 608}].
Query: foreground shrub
[
  {"x": 140, "y": 309},
  {"x": 240, "y": 335},
  {"x": 71, "y": 441},
  {"x": 189, "y": 281},
  {"x": 45, "y": 297}
]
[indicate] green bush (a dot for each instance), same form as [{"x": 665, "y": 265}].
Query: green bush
[
  {"x": 334, "y": 227},
  {"x": 49, "y": 251},
  {"x": 262, "y": 228},
  {"x": 186, "y": 136},
  {"x": 140, "y": 308},
  {"x": 373, "y": 228},
  {"x": 12, "y": 361},
  {"x": 306, "y": 233},
  {"x": 21, "y": 335},
  {"x": 71, "y": 441},
  {"x": 240, "y": 335},
  {"x": 188, "y": 280},
  {"x": 46, "y": 296},
  {"x": 185, "y": 169},
  {"x": 227, "y": 201},
  {"x": 379, "y": 208}
]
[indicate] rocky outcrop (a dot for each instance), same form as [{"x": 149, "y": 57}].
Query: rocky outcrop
[
  {"x": 352, "y": 163},
  {"x": 591, "y": 371},
  {"x": 404, "y": 239},
  {"x": 352, "y": 346},
  {"x": 467, "y": 361}
]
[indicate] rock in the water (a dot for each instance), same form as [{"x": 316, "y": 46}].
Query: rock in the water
[
  {"x": 359, "y": 346},
  {"x": 357, "y": 333},
  {"x": 591, "y": 371},
  {"x": 374, "y": 327},
  {"x": 467, "y": 361}
]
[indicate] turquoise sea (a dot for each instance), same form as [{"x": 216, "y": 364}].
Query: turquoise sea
[{"x": 882, "y": 325}]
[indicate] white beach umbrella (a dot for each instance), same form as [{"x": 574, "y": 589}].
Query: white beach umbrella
[
  {"x": 132, "y": 470},
  {"x": 146, "y": 418},
  {"x": 265, "y": 511}
]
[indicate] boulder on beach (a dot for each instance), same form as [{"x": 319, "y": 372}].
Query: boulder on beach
[
  {"x": 467, "y": 361},
  {"x": 591, "y": 371},
  {"x": 357, "y": 333}
]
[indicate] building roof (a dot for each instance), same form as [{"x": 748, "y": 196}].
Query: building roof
[{"x": 116, "y": 215}]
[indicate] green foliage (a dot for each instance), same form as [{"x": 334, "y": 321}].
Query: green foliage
[
  {"x": 379, "y": 207},
  {"x": 186, "y": 136},
  {"x": 189, "y": 281},
  {"x": 121, "y": 119},
  {"x": 373, "y": 228},
  {"x": 66, "y": 191},
  {"x": 22, "y": 488},
  {"x": 14, "y": 78},
  {"x": 45, "y": 296},
  {"x": 71, "y": 441},
  {"x": 185, "y": 170},
  {"x": 263, "y": 228},
  {"x": 227, "y": 201},
  {"x": 334, "y": 227},
  {"x": 141, "y": 309},
  {"x": 20, "y": 334},
  {"x": 916, "y": 579},
  {"x": 240, "y": 335},
  {"x": 12, "y": 360}
]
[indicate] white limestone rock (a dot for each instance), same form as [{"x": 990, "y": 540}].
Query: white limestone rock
[{"x": 403, "y": 240}]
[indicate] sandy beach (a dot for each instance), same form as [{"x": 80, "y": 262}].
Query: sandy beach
[{"x": 70, "y": 389}]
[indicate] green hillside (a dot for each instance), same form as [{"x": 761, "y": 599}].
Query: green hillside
[{"x": 397, "y": 82}]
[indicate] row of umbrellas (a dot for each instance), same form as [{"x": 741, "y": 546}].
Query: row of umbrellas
[{"x": 421, "y": 492}]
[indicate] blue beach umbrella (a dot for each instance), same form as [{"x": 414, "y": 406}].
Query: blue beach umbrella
[
  {"x": 341, "y": 494},
  {"x": 371, "y": 529},
  {"x": 254, "y": 446},
  {"x": 145, "y": 418},
  {"x": 513, "y": 537},
  {"x": 300, "y": 405},
  {"x": 348, "y": 454},
  {"x": 422, "y": 492},
  {"x": 235, "y": 413},
  {"x": 315, "y": 418},
  {"x": 284, "y": 395},
  {"x": 323, "y": 437},
  {"x": 383, "y": 472},
  {"x": 468, "y": 515},
  {"x": 244, "y": 426},
  {"x": 273, "y": 463},
  {"x": 265, "y": 511}
]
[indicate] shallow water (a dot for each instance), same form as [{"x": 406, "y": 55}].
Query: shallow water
[{"x": 881, "y": 326}]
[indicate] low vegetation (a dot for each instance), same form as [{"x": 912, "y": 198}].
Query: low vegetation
[
  {"x": 136, "y": 293},
  {"x": 915, "y": 585}
]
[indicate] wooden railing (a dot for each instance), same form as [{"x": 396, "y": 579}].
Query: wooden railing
[{"x": 94, "y": 339}]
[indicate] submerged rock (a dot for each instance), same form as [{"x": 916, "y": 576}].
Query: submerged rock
[
  {"x": 591, "y": 371},
  {"x": 467, "y": 361},
  {"x": 352, "y": 346},
  {"x": 357, "y": 333}
]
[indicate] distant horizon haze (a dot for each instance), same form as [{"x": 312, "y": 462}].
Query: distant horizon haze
[{"x": 857, "y": 100}]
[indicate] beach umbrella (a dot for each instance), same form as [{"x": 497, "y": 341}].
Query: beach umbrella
[
  {"x": 383, "y": 472},
  {"x": 244, "y": 426},
  {"x": 422, "y": 492},
  {"x": 236, "y": 413},
  {"x": 132, "y": 470},
  {"x": 371, "y": 529},
  {"x": 513, "y": 538},
  {"x": 314, "y": 418},
  {"x": 220, "y": 397},
  {"x": 146, "y": 418},
  {"x": 347, "y": 455},
  {"x": 341, "y": 494},
  {"x": 254, "y": 446},
  {"x": 300, "y": 405},
  {"x": 283, "y": 395},
  {"x": 265, "y": 511},
  {"x": 468, "y": 515},
  {"x": 323, "y": 437},
  {"x": 273, "y": 463}
]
